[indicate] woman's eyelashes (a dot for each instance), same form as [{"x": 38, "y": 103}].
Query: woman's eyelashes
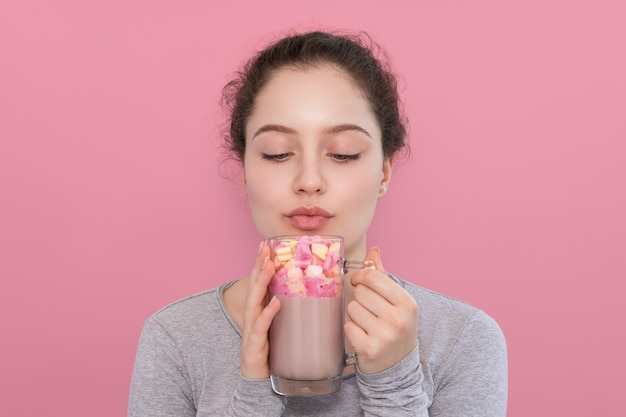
[
  {"x": 338, "y": 157},
  {"x": 277, "y": 157}
]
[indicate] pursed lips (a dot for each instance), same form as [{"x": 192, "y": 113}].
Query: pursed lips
[{"x": 308, "y": 218}]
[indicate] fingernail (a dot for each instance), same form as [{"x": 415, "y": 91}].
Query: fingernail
[
  {"x": 260, "y": 247},
  {"x": 272, "y": 301},
  {"x": 264, "y": 264},
  {"x": 369, "y": 264}
]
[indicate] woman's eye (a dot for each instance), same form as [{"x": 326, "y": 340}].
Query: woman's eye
[
  {"x": 343, "y": 157},
  {"x": 276, "y": 157}
]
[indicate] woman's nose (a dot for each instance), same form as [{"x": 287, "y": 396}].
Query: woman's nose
[{"x": 309, "y": 177}]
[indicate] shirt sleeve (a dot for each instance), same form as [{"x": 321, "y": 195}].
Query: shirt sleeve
[
  {"x": 160, "y": 385},
  {"x": 254, "y": 395},
  {"x": 396, "y": 391},
  {"x": 473, "y": 379}
]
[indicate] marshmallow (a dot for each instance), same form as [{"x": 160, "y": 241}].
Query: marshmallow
[
  {"x": 314, "y": 271},
  {"x": 283, "y": 253},
  {"x": 320, "y": 250},
  {"x": 307, "y": 267}
]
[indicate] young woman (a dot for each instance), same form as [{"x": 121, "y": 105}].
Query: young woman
[{"x": 315, "y": 123}]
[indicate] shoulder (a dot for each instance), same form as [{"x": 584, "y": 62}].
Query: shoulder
[
  {"x": 184, "y": 307},
  {"x": 442, "y": 311},
  {"x": 448, "y": 325},
  {"x": 463, "y": 354},
  {"x": 433, "y": 304},
  {"x": 192, "y": 313}
]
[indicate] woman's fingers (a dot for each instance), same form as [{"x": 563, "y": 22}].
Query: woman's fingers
[
  {"x": 371, "y": 300},
  {"x": 259, "y": 278},
  {"x": 382, "y": 325},
  {"x": 257, "y": 318},
  {"x": 261, "y": 325},
  {"x": 373, "y": 279}
]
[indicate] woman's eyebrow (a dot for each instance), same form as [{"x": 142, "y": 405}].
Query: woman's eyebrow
[
  {"x": 274, "y": 128},
  {"x": 328, "y": 131},
  {"x": 345, "y": 127}
]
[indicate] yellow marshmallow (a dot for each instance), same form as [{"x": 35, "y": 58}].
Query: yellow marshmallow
[
  {"x": 283, "y": 253},
  {"x": 320, "y": 250},
  {"x": 334, "y": 247}
]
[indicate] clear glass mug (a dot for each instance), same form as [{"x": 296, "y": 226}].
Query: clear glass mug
[{"x": 307, "y": 354}]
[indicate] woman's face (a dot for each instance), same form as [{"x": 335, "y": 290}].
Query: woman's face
[{"x": 314, "y": 162}]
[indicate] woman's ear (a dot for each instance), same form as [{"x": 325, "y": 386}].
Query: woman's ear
[{"x": 384, "y": 182}]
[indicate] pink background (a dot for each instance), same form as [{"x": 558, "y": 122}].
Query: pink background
[{"x": 114, "y": 201}]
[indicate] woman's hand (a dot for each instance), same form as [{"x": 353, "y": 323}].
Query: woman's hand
[
  {"x": 257, "y": 318},
  {"x": 382, "y": 325}
]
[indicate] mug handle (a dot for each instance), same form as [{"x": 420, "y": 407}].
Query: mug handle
[
  {"x": 350, "y": 358},
  {"x": 351, "y": 265}
]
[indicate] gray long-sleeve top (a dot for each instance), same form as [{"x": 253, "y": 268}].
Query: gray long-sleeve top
[{"x": 188, "y": 362}]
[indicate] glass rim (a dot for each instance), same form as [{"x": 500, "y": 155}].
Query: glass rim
[{"x": 296, "y": 237}]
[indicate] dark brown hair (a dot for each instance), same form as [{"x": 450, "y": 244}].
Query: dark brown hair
[{"x": 361, "y": 58}]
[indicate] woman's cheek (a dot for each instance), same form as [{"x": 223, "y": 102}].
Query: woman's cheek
[
  {"x": 362, "y": 186},
  {"x": 265, "y": 190}
]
